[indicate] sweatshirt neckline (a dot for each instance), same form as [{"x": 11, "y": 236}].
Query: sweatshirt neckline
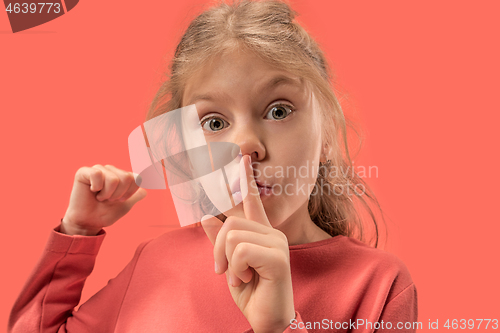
[{"x": 320, "y": 243}]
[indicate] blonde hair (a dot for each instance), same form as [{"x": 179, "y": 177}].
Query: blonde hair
[{"x": 268, "y": 29}]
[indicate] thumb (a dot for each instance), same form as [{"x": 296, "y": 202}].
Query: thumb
[
  {"x": 211, "y": 225},
  {"x": 137, "y": 196}
]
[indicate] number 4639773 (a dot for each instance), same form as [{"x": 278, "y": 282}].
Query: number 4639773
[
  {"x": 33, "y": 7},
  {"x": 471, "y": 324}
]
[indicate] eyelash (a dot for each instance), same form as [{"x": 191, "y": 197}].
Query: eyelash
[{"x": 289, "y": 107}]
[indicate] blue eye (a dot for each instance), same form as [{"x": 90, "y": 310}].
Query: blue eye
[
  {"x": 279, "y": 111},
  {"x": 215, "y": 124}
]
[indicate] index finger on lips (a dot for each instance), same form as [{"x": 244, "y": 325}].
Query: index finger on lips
[{"x": 252, "y": 204}]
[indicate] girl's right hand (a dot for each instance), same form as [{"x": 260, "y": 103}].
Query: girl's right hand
[{"x": 101, "y": 195}]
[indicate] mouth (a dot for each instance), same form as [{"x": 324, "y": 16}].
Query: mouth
[{"x": 264, "y": 188}]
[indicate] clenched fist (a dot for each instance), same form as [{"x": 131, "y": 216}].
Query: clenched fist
[{"x": 101, "y": 195}]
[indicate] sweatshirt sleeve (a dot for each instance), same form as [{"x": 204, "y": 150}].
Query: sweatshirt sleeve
[
  {"x": 401, "y": 312},
  {"x": 47, "y": 300},
  {"x": 296, "y": 326},
  {"x": 54, "y": 286}
]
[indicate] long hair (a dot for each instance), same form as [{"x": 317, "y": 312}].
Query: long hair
[{"x": 268, "y": 29}]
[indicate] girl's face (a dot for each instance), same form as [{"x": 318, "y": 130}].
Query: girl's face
[{"x": 270, "y": 115}]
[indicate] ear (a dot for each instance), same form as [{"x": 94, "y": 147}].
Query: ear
[
  {"x": 322, "y": 158},
  {"x": 326, "y": 153}
]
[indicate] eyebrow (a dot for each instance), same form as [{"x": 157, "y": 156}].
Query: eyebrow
[{"x": 271, "y": 84}]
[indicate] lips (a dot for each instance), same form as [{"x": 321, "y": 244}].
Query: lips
[
  {"x": 262, "y": 184},
  {"x": 236, "y": 185}
]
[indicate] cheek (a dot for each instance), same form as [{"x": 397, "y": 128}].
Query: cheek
[
  {"x": 298, "y": 161},
  {"x": 299, "y": 157},
  {"x": 216, "y": 190},
  {"x": 304, "y": 129},
  {"x": 295, "y": 181}
]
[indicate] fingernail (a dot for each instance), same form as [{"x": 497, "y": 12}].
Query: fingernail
[
  {"x": 250, "y": 160},
  {"x": 138, "y": 178},
  {"x": 216, "y": 268},
  {"x": 231, "y": 281}
]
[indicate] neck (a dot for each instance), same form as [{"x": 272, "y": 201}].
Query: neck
[{"x": 300, "y": 229}]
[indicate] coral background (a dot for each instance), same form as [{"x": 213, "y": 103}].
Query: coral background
[{"x": 422, "y": 78}]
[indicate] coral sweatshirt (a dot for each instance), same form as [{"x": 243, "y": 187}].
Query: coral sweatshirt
[{"x": 339, "y": 285}]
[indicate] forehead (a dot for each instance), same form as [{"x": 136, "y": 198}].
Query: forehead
[{"x": 235, "y": 72}]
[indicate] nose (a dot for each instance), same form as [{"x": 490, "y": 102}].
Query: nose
[{"x": 250, "y": 140}]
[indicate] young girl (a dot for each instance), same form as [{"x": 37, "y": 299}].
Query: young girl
[{"x": 285, "y": 259}]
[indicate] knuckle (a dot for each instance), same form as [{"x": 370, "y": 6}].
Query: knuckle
[
  {"x": 97, "y": 166},
  {"x": 229, "y": 221},
  {"x": 81, "y": 170},
  {"x": 130, "y": 177},
  {"x": 231, "y": 237},
  {"x": 95, "y": 172},
  {"x": 128, "y": 180},
  {"x": 240, "y": 251},
  {"x": 113, "y": 180}
]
